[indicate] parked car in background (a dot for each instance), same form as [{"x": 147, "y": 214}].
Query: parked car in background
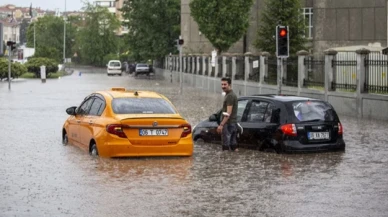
[
  {"x": 142, "y": 69},
  {"x": 114, "y": 68},
  {"x": 282, "y": 123},
  {"x": 122, "y": 123}
]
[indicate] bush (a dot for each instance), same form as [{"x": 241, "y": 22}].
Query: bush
[
  {"x": 34, "y": 64},
  {"x": 17, "y": 69},
  {"x": 109, "y": 57}
]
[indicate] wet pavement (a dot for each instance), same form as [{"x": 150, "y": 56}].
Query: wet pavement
[{"x": 41, "y": 177}]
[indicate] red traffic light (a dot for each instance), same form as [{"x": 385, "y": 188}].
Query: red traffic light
[{"x": 283, "y": 32}]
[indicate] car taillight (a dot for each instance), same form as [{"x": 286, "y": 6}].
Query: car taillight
[
  {"x": 289, "y": 129},
  {"x": 340, "y": 129},
  {"x": 116, "y": 129},
  {"x": 186, "y": 130}
]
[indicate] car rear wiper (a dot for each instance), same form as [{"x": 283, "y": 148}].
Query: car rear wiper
[{"x": 312, "y": 120}]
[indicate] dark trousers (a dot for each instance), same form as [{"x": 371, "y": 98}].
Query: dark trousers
[{"x": 229, "y": 136}]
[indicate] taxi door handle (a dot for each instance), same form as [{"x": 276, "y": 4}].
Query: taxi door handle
[
  {"x": 78, "y": 121},
  {"x": 90, "y": 122}
]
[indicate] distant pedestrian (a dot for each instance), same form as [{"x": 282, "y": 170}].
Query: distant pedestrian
[{"x": 228, "y": 125}]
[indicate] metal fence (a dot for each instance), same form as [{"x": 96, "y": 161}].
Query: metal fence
[
  {"x": 254, "y": 65},
  {"x": 240, "y": 68},
  {"x": 315, "y": 68},
  {"x": 376, "y": 68},
  {"x": 272, "y": 76},
  {"x": 345, "y": 71},
  {"x": 200, "y": 70},
  {"x": 206, "y": 72},
  {"x": 219, "y": 61},
  {"x": 228, "y": 67},
  {"x": 291, "y": 69}
]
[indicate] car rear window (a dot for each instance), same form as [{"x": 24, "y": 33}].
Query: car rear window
[
  {"x": 114, "y": 64},
  {"x": 306, "y": 111},
  {"x": 142, "y": 106},
  {"x": 142, "y": 65}
]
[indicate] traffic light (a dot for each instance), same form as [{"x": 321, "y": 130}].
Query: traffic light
[
  {"x": 282, "y": 41},
  {"x": 180, "y": 41},
  {"x": 11, "y": 44}
]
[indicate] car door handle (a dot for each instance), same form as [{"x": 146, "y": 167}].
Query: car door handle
[
  {"x": 78, "y": 121},
  {"x": 90, "y": 122}
]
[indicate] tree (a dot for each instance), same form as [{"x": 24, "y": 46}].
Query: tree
[
  {"x": 49, "y": 35},
  {"x": 154, "y": 25},
  {"x": 97, "y": 38},
  {"x": 285, "y": 13},
  {"x": 223, "y": 22},
  {"x": 17, "y": 69},
  {"x": 34, "y": 64}
]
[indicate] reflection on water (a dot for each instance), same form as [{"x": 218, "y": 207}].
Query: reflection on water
[{"x": 40, "y": 177}]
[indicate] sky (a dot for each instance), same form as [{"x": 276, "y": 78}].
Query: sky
[{"x": 71, "y": 5}]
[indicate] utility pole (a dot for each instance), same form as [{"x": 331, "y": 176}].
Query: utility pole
[
  {"x": 9, "y": 66},
  {"x": 34, "y": 35},
  {"x": 64, "y": 36},
  {"x": 180, "y": 44}
]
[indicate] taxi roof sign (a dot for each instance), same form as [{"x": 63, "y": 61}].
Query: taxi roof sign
[{"x": 117, "y": 89}]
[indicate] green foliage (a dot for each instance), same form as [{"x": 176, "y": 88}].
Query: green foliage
[
  {"x": 34, "y": 64},
  {"x": 17, "y": 69},
  {"x": 49, "y": 37},
  {"x": 154, "y": 25},
  {"x": 223, "y": 22},
  {"x": 97, "y": 38},
  {"x": 109, "y": 57},
  {"x": 286, "y": 13}
]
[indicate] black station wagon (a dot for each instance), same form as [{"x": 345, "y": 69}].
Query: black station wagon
[{"x": 282, "y": 123}]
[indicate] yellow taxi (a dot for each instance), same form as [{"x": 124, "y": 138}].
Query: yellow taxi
[{"x": 124, "y": 123}]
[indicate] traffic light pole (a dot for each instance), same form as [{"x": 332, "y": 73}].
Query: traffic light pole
[
  {"x": 9, "y": 67},
  {"x": 280, "y": 75}
]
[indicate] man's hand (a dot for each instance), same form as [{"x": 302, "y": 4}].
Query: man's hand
[{"x": 219, "y": 129}]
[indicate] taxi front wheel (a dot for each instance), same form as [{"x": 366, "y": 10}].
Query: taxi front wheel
[{"x": 93, "y": 149}]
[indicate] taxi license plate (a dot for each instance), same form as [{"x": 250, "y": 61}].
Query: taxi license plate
[
  {"x": 318, "y": 135},
  {"x": 153, "y": 132}
]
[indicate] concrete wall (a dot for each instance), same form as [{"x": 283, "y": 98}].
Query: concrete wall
[{"x": 372, "y": 106}]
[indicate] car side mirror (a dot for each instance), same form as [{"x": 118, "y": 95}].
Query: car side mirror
[
  {"x": 213, "y": 118},
  {"x": 71, "y": 110}
]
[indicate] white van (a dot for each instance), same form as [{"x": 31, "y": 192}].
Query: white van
[{"x": 114, "y": 68}]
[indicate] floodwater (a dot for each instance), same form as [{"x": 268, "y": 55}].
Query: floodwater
[{"x": 41, "y": 177}]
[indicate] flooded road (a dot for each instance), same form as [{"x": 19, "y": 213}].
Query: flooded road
[{"x": 41, "y": 177}]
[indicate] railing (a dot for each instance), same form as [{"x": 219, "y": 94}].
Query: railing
[
  {"x": 272, "y": 71},
  {"x": 219, "y": 61},
  {"x": 240, "y": 68},
  {"x": 345, "y": 71},
  {"x": 291, "y": 70},
  {"x": 200, "y": 71},
  {"x": 315, "y": 72},
  {"x": 376, "y": 69},
  {"x": 206, "y": 72},
  {"x": 228, "y": 67},
  {"x": 254, "y": 65}
]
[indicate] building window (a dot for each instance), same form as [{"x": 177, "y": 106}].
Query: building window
[{"x": 308, "y": 20}]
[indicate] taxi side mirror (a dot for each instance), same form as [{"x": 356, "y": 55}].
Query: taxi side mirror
[{"x": 71, "y": 110}]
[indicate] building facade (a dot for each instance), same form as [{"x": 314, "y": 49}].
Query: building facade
[
  {"x": 114, "y": 7},
  {"x": 328, "y": 24}
]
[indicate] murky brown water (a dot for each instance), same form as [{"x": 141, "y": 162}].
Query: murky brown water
[{"x": 40, "y": 177}]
